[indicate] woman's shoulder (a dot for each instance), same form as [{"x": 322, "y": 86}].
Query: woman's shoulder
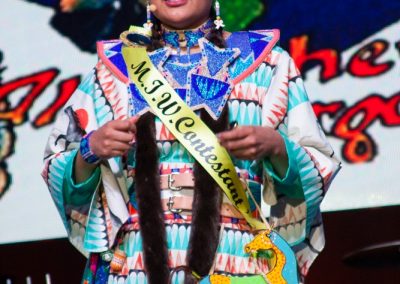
[
  {"x": 256, "y": 48},
  {"x": 257, "y": 34},
  {"x": 257, "y": 43},
  {"x": 109, "y": 47},
  {"x": 109, "y": 53}
]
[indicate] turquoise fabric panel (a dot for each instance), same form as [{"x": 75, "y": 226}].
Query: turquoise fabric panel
[
  {"x": 290, "y": 185},
  {"x": 81, "y": 193}
]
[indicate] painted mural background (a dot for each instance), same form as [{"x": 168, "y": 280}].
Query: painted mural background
[{"x": 348, "y": 52}]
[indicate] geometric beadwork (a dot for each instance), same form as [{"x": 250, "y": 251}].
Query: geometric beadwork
[
  {"x": 217, "y": 58},
  {"x": 206, "y": 91}
]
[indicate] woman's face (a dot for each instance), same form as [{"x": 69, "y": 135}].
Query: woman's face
[{"x": 182, "y": 14}]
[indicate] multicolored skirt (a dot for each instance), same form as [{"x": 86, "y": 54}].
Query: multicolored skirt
[{"x": 230, "y": 258}]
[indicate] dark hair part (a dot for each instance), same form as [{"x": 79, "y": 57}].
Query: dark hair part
[{"x": 216, "y": 36}]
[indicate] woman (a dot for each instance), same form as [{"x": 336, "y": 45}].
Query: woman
[{"x": 137, "y": 222}]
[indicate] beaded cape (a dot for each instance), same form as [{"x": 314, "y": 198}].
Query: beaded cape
[{"x": 207, "y": 84}]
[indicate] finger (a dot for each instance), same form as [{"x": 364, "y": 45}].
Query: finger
[
  {"x": 233, "y": 145},
  {"x": 110, "y": 134},
  {"x": 106, "y": 153},
  {"x": 119, "y": 146},
  {"x": 132, "y": 121},
  {"x": 122, "y": 136},
  {"x": 133, "y": 140},
  {"x": 122, "y": 125},
  {"x": 245, "y": 154},
  {"x": 234, "y": 134}
]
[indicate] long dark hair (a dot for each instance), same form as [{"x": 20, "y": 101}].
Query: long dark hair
[{"x": 216, "y": 36}]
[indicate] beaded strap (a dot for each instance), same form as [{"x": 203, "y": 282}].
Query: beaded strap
[{"x": 86, "y": 152}]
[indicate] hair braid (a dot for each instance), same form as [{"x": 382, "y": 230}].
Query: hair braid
[{"x": 156, "y": 37}]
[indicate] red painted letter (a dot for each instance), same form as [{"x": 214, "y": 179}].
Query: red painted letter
[
  {"x": 38, "y": 83},
  {"x": 65, "y": 90},
  {"x": 363, "y": 63},
  {"x": 328, "y": 58}
]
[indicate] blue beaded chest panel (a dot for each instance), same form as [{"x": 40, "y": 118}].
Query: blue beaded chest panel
[{"x": 203, "y": 80}]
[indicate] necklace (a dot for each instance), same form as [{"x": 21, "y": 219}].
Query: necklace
[{"x": 186, "y": 38}]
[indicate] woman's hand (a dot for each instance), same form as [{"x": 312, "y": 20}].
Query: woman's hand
[
  {"x": 252, "y": 142},
  {"x": 256, "y": 142},
  {"x": 111, "y": 140},
  {"x": 114, "y": 138}
]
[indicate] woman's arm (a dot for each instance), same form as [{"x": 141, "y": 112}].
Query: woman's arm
[{"x": 113, "y": 139}]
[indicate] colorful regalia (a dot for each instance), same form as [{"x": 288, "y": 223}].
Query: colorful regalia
[{"x": 250, "y": 82}]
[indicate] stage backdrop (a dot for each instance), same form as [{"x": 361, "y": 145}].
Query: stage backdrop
[{"x": 348, "y": 52}]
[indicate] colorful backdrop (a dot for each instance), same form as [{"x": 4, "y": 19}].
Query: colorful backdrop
[{"x": 348, "y": 51}]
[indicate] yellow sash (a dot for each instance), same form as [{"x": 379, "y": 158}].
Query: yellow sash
[{"x": 188, "y": 128}]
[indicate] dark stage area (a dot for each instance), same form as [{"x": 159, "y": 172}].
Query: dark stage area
[{"x": 363, "y": 246}]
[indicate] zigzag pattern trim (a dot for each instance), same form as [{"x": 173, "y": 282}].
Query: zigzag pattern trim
[
  {"x": 106, "y": 80},
  {"x": 184, "y": 167},
  {"x": 162, "y": 132},
  {"x": 309, "y": 250},
  {"x": 277, "y": 105},
  {"x": 102, "y": 107},
  {"x": 96, "y": 239},
  {"x": 297, "y": 92},
  {"x": 76, "y": 236},
  {"x": 261, "y": 76},
  {"x": 55, "y": 178},
  {"x": 230, "y": 257},
  {"x": 245, "y": 112},
  {"x": 173, "y": 152},
  {"x": 248, "y": 91},
  {"x": 139, "y": 277},
  {"x": 107, "y": 215},
  {"x": 293, "y": 231},
  {"x": 311, "y": 181}
]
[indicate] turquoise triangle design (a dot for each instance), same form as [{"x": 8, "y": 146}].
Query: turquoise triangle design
[
  {"x": 226, "y": 246},
  {"x": 116, "y": 48},
  {"x": 208, "y": 90},
  {"x": 109, "y": 53},
  {"x": 258, "y": 42},
  {"x": 186, "y": 239},
  {"x": 169, "y": 237},
  {"x": 217, "y": 58},
  {"x": 241, "y": 65},
  {"x": 254, "y": 39}
]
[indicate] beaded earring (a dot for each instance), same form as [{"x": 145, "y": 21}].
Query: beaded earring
[
  {"x": 219, "y": 23},
  {"x": 149, "y": 24}
]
